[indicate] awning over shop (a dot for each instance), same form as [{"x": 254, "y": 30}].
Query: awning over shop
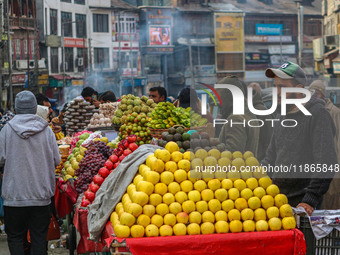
[{"x": 202, "y": 42}]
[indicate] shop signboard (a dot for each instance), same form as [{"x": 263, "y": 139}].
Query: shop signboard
[
  {"x": 257, "y": 58},
  {"x": 77, "y": 82},
  {"x": 136, "y": 82},
  {"x": 268, "y": 29},
  {"x": 158, "y": 50},
  {"x": 75, "y": 42},
  {"x": 318, "y": 49},
  {"x": 229, "y": 43},
  {"x": 18, "y": 79},
  {"x": 284, "y": 49},
  {"x": 229, "y": 32},
  {"x": 160, "y": 35},
  {"x": 268, "y": 38},
  {"x": 159, "y": 23},
  {"x": 336, "y": 67}
]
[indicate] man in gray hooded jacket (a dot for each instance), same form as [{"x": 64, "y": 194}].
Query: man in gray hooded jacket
[{"x": 29, "y": 153}]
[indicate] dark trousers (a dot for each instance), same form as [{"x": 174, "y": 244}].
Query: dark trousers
[{"x": 18, "y": 220}]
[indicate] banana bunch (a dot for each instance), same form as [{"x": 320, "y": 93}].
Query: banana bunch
[{"x": 59, "y": 135}]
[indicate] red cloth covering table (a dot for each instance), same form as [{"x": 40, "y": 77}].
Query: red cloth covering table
[
  {"x": 256, "y": 243},
  {"x": 85, "y": 245},
  {"x": 286, "y": 242}
]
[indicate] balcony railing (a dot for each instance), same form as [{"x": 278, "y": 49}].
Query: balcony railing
[{"x": 21, "y": 22}]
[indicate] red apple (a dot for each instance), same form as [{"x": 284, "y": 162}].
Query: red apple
[
  {"x": 132, "y": 138},
  {"x": 113, "y": 158},
  {"x": 97, "y": 179},
  {"x": 133, "y": 146},
  {"x": 121, "y": 158},
  {"x": 116, "y": 164},
  {"x": 93, "y": 187},
  {"x": 127, "y": 152},
  {"x": 104, "y": 171},
  {"x": 85, "y": 203},
  {"x": 89, "y": 195},
  {"x": 108, "y": 165}
]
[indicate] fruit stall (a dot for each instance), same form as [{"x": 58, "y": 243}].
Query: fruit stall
[{"x": 154, "y": 188}]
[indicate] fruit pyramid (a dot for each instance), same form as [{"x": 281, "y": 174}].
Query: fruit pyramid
[{"x": 164, "y": 198}]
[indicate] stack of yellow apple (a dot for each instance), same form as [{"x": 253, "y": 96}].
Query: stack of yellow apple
[{"x": 164, "y": 200}]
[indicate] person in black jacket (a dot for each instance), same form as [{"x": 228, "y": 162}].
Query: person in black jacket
[
  {"x": 266, "y": 130},
  {"x": 309, "y": 143}
]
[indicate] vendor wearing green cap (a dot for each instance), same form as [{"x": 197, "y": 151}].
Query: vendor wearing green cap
[{"x": 309, "y": 143}]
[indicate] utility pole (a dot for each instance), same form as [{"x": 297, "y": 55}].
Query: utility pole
[
  {"x": 192, "y": 84},
  {"x": 90, "y": 53},
  {"x": 131, "y": 66},
  {"x": 1, "y": 52},
  {"x": 63, "y": 49},
  {"x": 119, "y": 51},
  {"x": 28, "y": 52},
  {"x": 300, "y": 30},
  {"x": 9, "y": 58},
  {"x": 35, "y": 88}
]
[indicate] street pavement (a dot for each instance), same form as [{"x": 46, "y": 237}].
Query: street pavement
[{"x": 51, "y": 251}]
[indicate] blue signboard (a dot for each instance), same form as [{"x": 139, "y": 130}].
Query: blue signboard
[
  {"x": 137, "y": 82},
  {"x": 268, "y": 29}
]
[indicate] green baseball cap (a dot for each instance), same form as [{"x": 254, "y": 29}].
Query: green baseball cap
[{"x": 288, "y": 71}]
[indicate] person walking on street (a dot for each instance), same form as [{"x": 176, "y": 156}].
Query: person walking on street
[
  {"x": 331, "y": 199},
  {"x": 308, "y": 144},
  {"x": 29, "y": 153}
]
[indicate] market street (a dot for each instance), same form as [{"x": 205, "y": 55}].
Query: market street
[{"x": 170, "y": 127}]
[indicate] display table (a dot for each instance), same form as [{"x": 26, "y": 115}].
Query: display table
[
  {"x": 286, "y": 242},
  {"x": 256, "y": 243}
]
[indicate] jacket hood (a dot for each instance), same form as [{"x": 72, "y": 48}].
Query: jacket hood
[
  {"x": 314, "y": 100},
  {"x": 27, "y": 125}
]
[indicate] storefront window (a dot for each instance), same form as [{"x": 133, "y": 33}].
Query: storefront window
[
  {"x": 81, "y": 59},
  {"x": 100, "y": 23},
  {"x": 66, "y": 19},
  {"x": 101, "y": 58},
  {"x": 54, "y": 60},
  {"x": 125, "y": 64},
  {"x": 53, "y": 22},
  {"x": 69, "y": 59},
  {"x": 80, "y": 26}
]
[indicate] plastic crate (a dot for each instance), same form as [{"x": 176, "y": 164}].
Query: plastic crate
[{"x": 329, "y": 245}]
